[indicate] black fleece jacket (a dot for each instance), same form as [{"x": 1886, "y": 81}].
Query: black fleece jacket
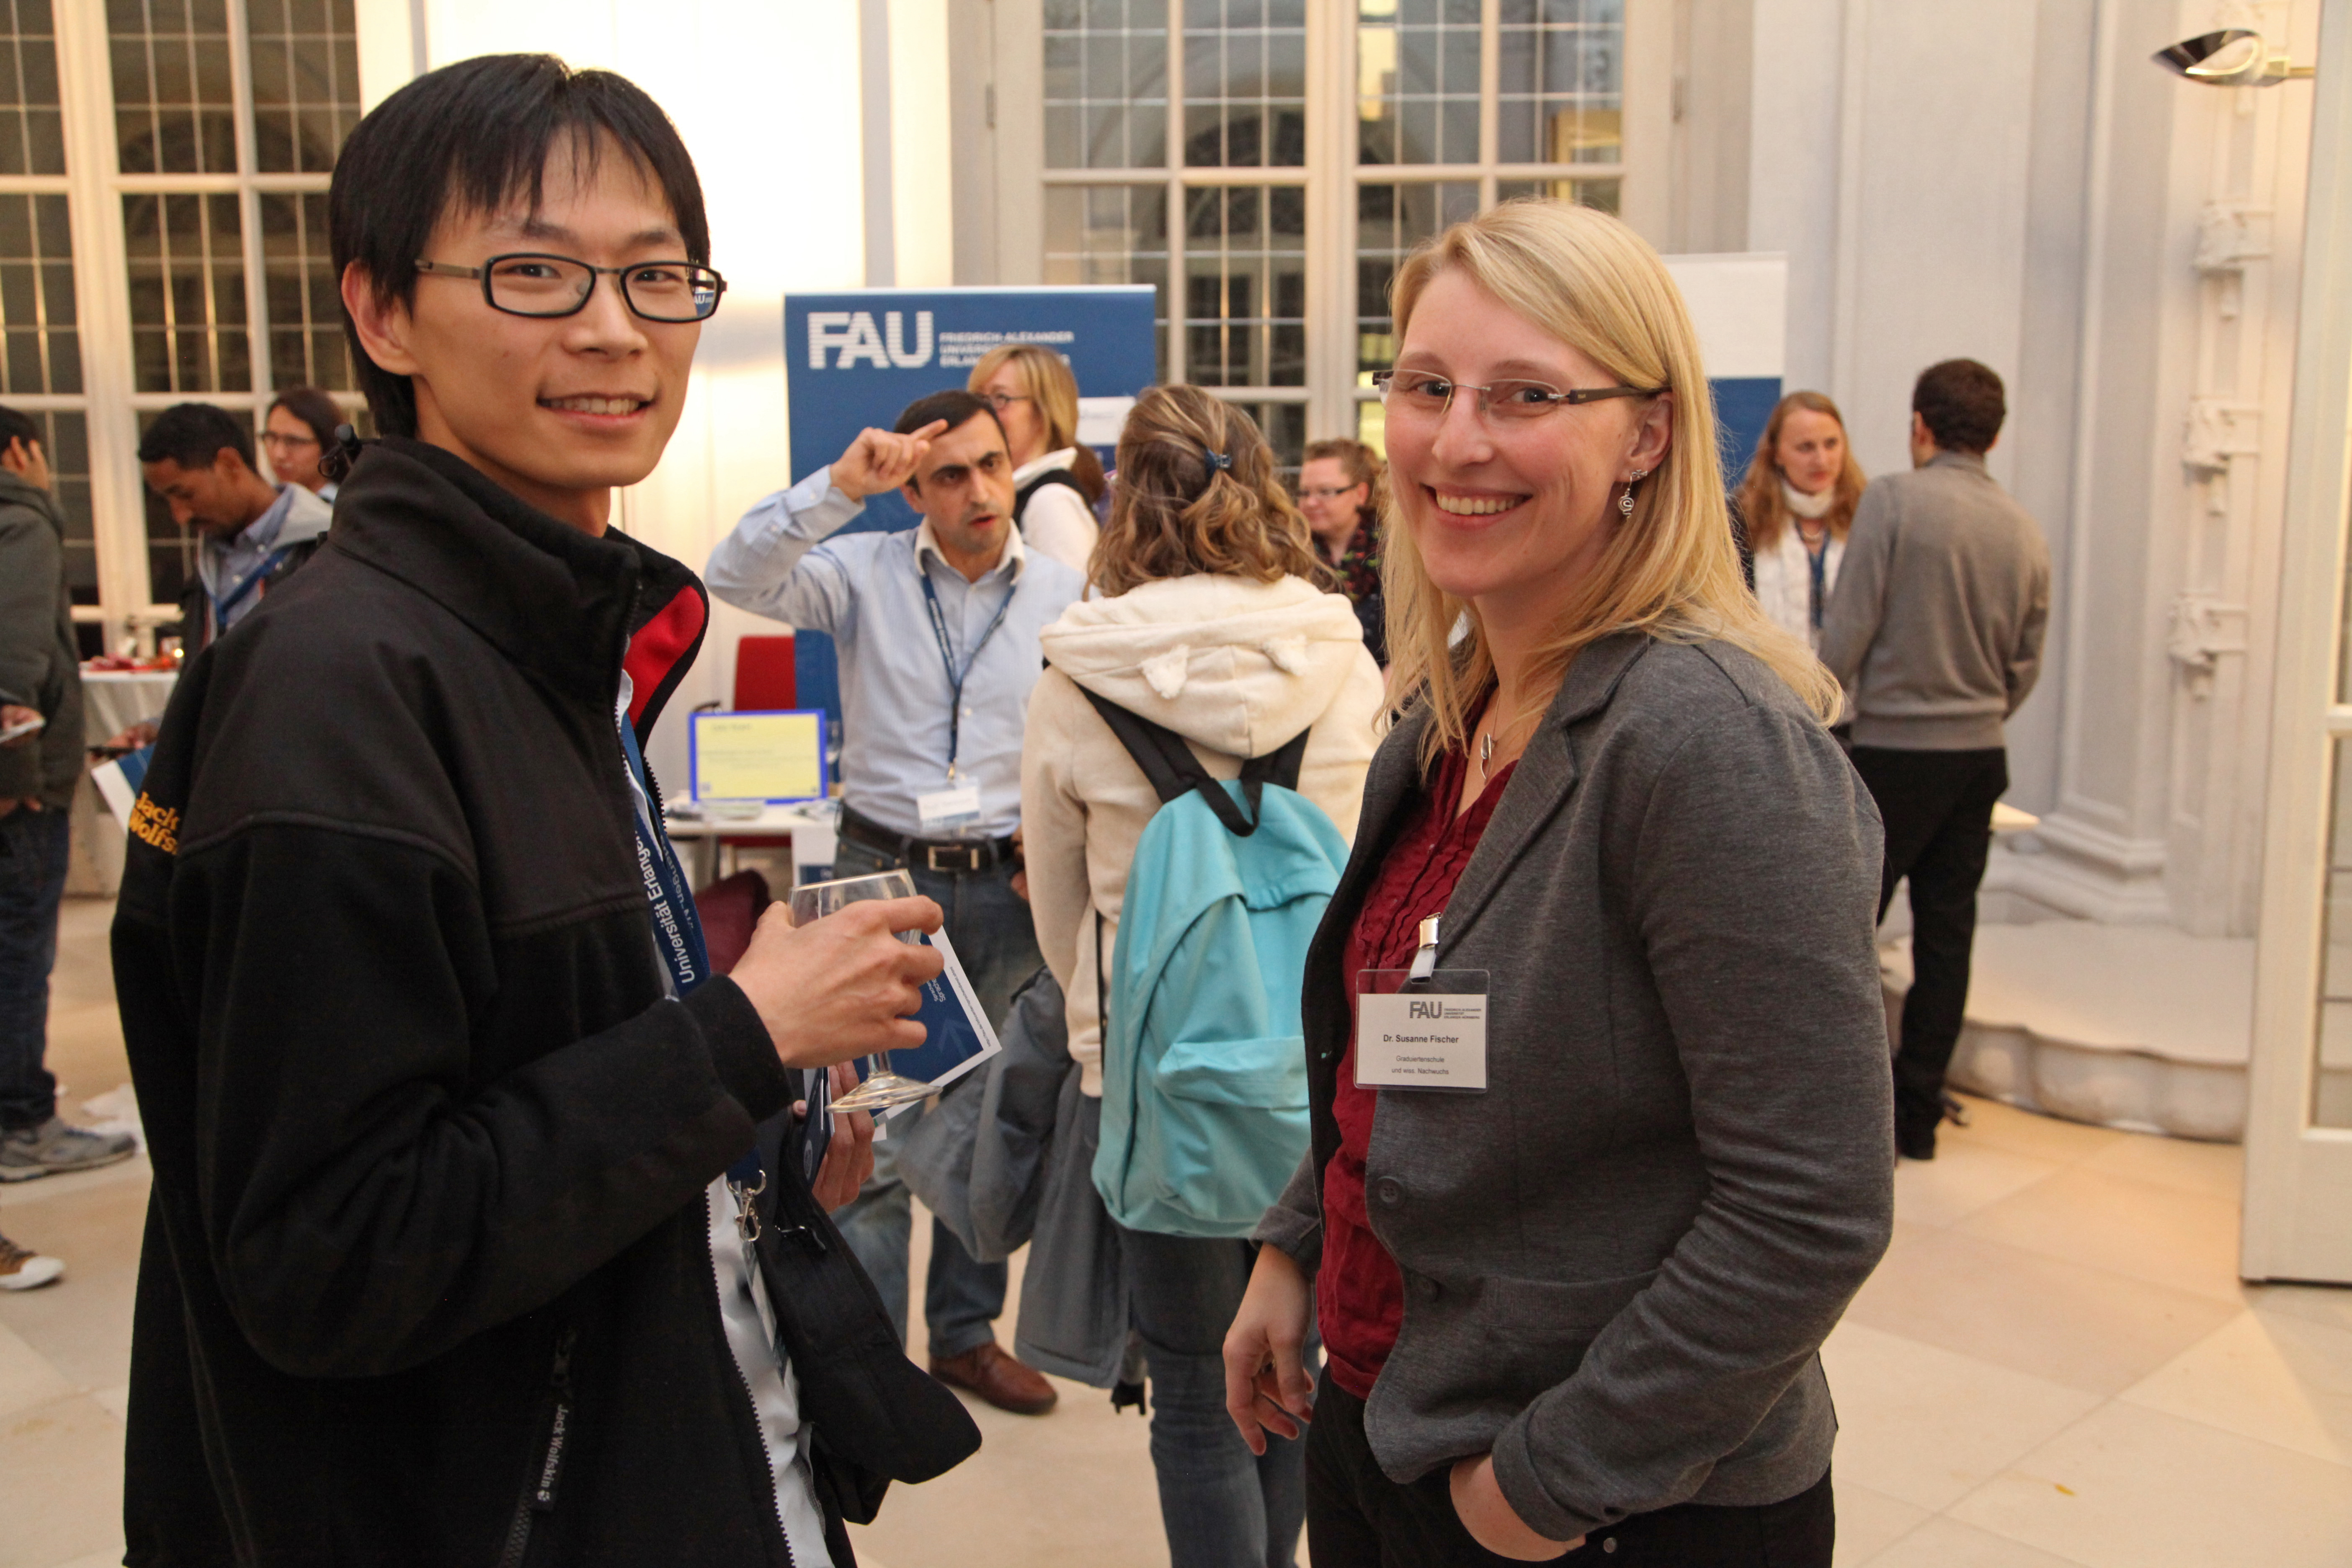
[{"x": 427, "y": 1276}]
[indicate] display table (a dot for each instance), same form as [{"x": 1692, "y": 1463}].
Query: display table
[
  {"x": 809, "y": 827},
  {"x": 114, "y": 699},
  {"x": 111, "y": 701}
]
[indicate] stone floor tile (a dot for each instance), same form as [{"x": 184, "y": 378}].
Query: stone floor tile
[
  {"x": 2132, "y": 1487},
  {"x": 1923, "y": 1425},
  {"x": 2087, "y": 1328},
  {"x": 2280, "y": 1379},
  {"x": 17, "y": 1196},
  {"x": 27, "y": 1378},
  {"x": 2329, "y": 1304},
  {"x": 2028, "y": 1132},
  {"x": 1072, "y": 1489},
  {"x": 60, "y": 1483},
  {"x": 1868, "y": 1521},
  {"x": 82, "y": 1324},
  {"x": 1944, "y": 1542},
  {"x": 2166, "y": 1236},
  {"x": 1963, "y": 1178},
  {"x": 2212, "y": 1170}
]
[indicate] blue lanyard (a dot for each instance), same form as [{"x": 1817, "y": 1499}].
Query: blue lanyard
[
  {"x": 221, "y": 607},
  {"x": 1819, "y": 560},
  {"x": 956, "y": 677},
  {"x": 677, "y": 929}
]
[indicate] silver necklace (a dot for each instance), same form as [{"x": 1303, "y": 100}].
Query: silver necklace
[{"x": 1485, "y": 753}]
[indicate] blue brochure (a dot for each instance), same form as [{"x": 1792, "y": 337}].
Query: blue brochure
[{"x": 956, "y": 1033}]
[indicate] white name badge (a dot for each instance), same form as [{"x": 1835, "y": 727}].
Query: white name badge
[
  {"x": 944, "y": 810},
  {"x": 1422, "y": 1038}
]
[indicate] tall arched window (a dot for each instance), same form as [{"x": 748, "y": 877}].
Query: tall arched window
[
  {"x": 1266, "y": 163},
  {"x": 164, "y": 168}
]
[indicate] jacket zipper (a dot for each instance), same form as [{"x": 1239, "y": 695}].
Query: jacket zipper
[
  {"x": 751, "y": 1401},
  {"x": 539, "y": 1494}
]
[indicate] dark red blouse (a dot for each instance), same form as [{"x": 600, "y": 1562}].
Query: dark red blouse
[{"x": 1360, "y": 1293}]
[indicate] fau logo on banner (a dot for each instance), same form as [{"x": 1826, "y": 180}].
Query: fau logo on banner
[
  {"x": 851, "y": 335},
  {"x": 857, "y": 357}
]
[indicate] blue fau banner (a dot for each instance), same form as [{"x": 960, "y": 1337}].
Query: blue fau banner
[{"x": 856, "y": 358}]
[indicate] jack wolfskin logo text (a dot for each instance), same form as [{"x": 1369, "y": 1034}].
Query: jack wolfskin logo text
[{"x": 156, "y": 825}]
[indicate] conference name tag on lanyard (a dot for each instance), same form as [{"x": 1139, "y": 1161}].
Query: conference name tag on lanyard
[
  {"x": 945, "y": 810},
  {"x": 958, "y": 806},
  {"x": 1423, "y": 1027}
]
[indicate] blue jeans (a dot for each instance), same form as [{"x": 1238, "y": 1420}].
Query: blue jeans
[
  {"x": 1222, "y": 1506},
  {"x": 32, "y": 881},
  {"x": 997, "y": 943}
]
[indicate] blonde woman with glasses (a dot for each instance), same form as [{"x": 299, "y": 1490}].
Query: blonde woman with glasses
[
  {"x": 1598, "y": 1066},
  {"x": 1056, "y": 481}
]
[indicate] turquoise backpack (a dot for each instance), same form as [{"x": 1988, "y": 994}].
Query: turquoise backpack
[{"x": 1204, "y": 1062}]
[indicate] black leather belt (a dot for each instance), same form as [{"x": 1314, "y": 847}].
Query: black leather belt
[{"x": 948, "y": 856}]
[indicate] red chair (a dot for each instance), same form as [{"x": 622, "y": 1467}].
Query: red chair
[{"x": 766, "y": 679}]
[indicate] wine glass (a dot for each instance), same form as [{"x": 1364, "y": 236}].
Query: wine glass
[{"x": 882, "y": 1088}]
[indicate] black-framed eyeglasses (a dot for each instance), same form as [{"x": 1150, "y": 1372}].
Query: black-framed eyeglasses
[
  {"x": 1000, "y": 401},
  {"x": 1419, "y": 393},
  {"x": 526, "y": 283}
]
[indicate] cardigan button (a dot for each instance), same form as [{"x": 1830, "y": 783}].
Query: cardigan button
[
  {"x": 1390, "y": 1190},
  {"x": 1428, "y": 1289},
  {"x": 1610, "y": 1545}
]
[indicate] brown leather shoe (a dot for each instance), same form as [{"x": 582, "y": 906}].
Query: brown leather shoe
[{"x": 996, "y": 1377}]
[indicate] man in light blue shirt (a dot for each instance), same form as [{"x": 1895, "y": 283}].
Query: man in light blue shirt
[{"x": 937, "y": 629}]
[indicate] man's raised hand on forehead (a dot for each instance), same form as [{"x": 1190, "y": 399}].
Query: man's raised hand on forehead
[{"x": 881, "y": 460}]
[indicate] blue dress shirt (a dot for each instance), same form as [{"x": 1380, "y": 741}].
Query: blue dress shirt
[
  {"x": 866, "y": 590},
  {"x": 223, "y": 565}
]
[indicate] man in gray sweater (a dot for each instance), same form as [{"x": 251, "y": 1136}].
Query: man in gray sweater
[
  {"x": 40, "y": 699},
  {"x": 1936, "y": 630}
]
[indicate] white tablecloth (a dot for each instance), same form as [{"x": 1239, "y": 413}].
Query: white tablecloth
[{"x": 114, "y": 699}]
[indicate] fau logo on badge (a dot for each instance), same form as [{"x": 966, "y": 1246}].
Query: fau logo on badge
[{"x": 1426, "y": 1010}]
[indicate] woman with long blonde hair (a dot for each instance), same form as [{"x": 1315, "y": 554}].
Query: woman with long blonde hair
[
  {"x": 1797, "y": 505},
  {"x": 1598, "y": 1063},
  {"x": 1057, "y": 480},
  {"x": 1213, "y": 625}
]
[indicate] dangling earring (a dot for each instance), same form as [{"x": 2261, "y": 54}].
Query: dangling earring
[{"x": 1625, "y": 501}]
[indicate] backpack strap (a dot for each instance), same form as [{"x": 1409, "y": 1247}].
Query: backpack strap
[
  {"x": 1280, "y": 766},
  {"x": 1172, "y": 768},
  {"x": 1049, "y": 478}
]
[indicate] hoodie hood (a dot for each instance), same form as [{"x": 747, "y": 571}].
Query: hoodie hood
[
  {"x": 307, "y": 517},
  {"x": 1235, "y": 666}
]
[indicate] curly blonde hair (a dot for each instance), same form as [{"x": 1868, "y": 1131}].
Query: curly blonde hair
[
  {"x": 1670, "y": 568},
  {"x": 1176, "y": 511}
]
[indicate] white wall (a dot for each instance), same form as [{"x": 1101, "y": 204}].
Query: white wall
[
  {"x": 766, "y": 97},
  {"x": 2013, "y": 181}
]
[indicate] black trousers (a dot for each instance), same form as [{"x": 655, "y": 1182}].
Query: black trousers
[
  {"x": 1937, "y": 808},
  {"x": 1358, "y": 1518}
]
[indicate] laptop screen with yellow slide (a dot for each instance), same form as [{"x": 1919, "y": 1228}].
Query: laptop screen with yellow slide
[{"x": 777, "y": 757}]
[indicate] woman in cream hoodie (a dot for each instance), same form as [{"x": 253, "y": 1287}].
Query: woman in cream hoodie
[{"x": 1213, "y": 625}]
